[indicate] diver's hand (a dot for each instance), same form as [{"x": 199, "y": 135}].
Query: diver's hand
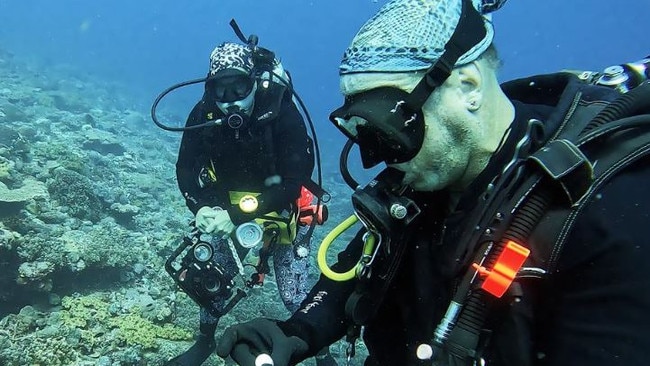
[
  {"x": 205, "y": 218},
  {"x": 244, "y": 342},
  {"x": 214, "y": 220},
  {"x": 221, "y": 225}
]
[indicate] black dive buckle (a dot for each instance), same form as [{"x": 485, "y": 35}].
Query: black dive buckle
[
  {"x": 193, "y": 267},
  {"x": 387, "y": 213},
  {"x": 382, "y": 207}
]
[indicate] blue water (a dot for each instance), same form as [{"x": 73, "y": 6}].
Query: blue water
[
  {"x": 137, "y": 48},
  {"x": 149, "y": 45}
]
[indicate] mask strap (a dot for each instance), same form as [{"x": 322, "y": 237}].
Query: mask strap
[
  {"x": 468, "y": 33},
  {"x": 240, "y": 34}
]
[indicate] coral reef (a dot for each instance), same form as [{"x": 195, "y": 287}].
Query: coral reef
[
  {"x": 103, "y": 246},
  {"x": 89, "y": 213},
  {"x": 13, "y": 199},
  {"x": 29, "y": 190},
  {"x": 7, "y": 238},
  {"x": 6, "y": 166},
  {"x": 85, "y": 329},
  {"x": 11, "y": 113},
  {"x": 101, "y": 141},
  {"x": 75, "y": 192}
]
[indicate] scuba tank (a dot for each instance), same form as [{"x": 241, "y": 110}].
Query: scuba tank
[{"x": 623, "y": 77}]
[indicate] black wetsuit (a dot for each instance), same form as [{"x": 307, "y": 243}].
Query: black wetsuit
[
  {"x": 595, "y": 310},
  {"x": 246, "y": 162},
  {"x": 276, "y": 149}
]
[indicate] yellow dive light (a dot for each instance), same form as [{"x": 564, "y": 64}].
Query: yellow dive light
[
  {"x": 248, "y": 203},
  {"x": 368, "y": 248}
]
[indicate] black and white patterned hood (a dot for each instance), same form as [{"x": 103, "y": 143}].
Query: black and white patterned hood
[{"x": 231, "y": 56}]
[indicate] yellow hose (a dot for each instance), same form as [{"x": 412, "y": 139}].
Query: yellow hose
[{"x": 329, "y": 239}]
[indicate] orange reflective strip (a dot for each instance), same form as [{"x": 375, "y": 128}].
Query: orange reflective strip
[
  {"x": 500, "y": 277},
  {"x": 307, "y": 214},
  {"x": 305, "y": 199}
]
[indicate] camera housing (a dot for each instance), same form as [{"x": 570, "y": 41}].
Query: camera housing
[{"x": 193, "y": 268}]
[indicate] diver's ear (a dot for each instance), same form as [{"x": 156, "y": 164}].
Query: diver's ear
[{"x": 471, "y": 85}]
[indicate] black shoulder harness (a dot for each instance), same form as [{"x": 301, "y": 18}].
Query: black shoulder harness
[{"x": 534, "y": 206}]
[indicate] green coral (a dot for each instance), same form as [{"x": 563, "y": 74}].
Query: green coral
[
  {"x": 85, "y": 311},
  {"x": 90, "y": 313},
  {"x": 136, "y": 330}
]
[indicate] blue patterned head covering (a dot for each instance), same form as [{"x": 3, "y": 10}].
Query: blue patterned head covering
[{"x": 409, "y": 35}]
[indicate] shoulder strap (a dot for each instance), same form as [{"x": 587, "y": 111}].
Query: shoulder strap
[
  {"x": 269, "y": 149},
  {"x": 576, "y": 163},
  {"x": 609, "y": 154}
]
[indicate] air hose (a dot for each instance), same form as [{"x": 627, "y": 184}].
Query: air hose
[
  {"x": 472, "y": 318},
  {"x": 634, "y": 101},
  {"x": 368, "y": 249}
]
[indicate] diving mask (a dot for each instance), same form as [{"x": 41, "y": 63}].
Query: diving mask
[
  {"x": 388, "y": 124},
  {"x": 229, "y": 85},
  {"x": 383, "y": 124},
  {"x": 233, "y": 92}
]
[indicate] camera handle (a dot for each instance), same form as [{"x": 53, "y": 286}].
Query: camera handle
[{"x": 187, "y": 241}]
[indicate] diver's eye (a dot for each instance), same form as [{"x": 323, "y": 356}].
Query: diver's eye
[
  {"x": 241, "y": 90},
  {"x": 219, "y": 93}
]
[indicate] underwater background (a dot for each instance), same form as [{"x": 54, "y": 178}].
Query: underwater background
[{"x": 89, "y": 207}]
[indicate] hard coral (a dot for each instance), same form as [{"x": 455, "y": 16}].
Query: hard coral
[
  {"x": 6, "y": 167},
  {"x": 88, "y": 312},
  {"x": 30, "y": 189},
  {"x": 11, "y": 200},
  {"x": 75, "y": 191},
  {"x": 136, "y": 330}
]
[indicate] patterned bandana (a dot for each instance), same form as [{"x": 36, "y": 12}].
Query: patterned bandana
[
  {"x": 409, "y": 35},
  {"x": 231, "y": 56}
]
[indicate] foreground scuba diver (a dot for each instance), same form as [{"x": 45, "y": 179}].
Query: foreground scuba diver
[
  {"x": 511, "y": 225},
  {"x": 243, "y": 166}
]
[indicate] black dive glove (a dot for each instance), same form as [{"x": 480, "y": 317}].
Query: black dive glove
[{"x": 244, "y": 342}]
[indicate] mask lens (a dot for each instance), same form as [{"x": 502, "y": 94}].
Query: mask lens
[
  {"x": 380, "y": 122},
  {"x": 242, "y": 89},
  {"x": 231, "y": 88},
  {"x": 350, "y": 126}
]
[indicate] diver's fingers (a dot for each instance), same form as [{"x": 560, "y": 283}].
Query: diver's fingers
[
  {"x": 243, "y": 355},
  {"x": 210, "y": 213},
  {"x": 211, "y": 226}
]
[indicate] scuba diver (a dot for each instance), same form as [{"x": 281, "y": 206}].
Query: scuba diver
[
  {"x": 244, "y": 168},
  {"x": 510, "y": 225}
]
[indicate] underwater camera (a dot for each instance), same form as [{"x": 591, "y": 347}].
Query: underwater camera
[{"x": 193, "y": 268}]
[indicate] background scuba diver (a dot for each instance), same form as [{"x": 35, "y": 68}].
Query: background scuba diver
[
  {"x": 452, "y": 138},
  {"x": 248, "y": 165}
]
